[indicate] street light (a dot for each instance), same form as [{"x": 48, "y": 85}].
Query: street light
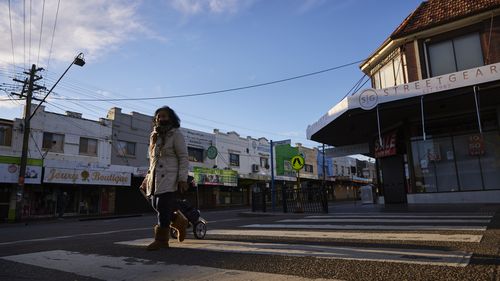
[{"x": 78, "y": 60}]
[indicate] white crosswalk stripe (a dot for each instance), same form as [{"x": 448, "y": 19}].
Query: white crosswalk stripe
[
  {"x": 384, "y": 236},
  {"x": 369, "y": 227},
  {"x": 412, "y": 256},
  {"x": 127, "y": 268}
]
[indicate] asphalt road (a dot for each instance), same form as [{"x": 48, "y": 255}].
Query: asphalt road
[{"x": 352, "y": 242}]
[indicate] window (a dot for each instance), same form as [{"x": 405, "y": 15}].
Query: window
[
  {"x": 390, "y": 74},
  {"x": 125, "y": 148},
  {"x": 453, "y": 55},
  {"x": 5, "y": 135},
  {"x": 434, "y": 164},
  {"x": 308, "y": 168},
  {"x": 234, "y": 159},
  {"x": 53, "y": 142},
  {"x": 264, "y": 162},
  {"x": 88, "y": 146},
  {"x": 195, "y": 154}
]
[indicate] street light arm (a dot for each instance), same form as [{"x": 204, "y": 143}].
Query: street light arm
[{"x": 79, "y": 61}]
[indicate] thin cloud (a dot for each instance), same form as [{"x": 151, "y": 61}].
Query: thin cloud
[
  {"x": 8, "y": 104},
  {"x": 292, "y": 134},
  {"x": 94, "y": 27},
  {"x": 195, "y": 7},
  {"x": 308, "y": 5}
]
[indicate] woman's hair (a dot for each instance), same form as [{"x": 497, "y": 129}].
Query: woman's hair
[{"x": 172, "y": 116}]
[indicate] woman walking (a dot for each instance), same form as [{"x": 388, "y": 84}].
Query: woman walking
[{"x": 168, "y": 172}]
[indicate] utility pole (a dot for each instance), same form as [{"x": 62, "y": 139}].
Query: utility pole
[
  {"x": 26, "y": 133},
  {"x": 16, "y": 202}
]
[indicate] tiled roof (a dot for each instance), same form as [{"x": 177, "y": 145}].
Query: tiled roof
[{"x": 433, "y": 13}]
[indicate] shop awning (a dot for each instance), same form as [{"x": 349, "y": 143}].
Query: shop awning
[{"x": 354, "y": 120}]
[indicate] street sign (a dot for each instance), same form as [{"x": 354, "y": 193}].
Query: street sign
[
  {"x": 297, "y": 162},
  {"x": 211, "y": 152}
]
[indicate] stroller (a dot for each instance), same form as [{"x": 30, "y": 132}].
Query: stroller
[
  {"x": 192, "y": 214},
  {"x": 198, "y": 224}
]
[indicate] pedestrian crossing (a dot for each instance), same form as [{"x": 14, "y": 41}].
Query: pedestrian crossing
[
  {"x": 381, "y": 228},
  {"x": 410, "y": 256},
  {"x": 382, "y": 238}
]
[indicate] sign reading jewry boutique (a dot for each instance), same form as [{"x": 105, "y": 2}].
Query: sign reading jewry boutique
[{"x": 85, "y": 176}]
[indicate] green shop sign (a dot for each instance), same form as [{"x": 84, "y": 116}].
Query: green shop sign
[
  {"x": 284, "y": 154},
  {"x": 209, "y": 176}
]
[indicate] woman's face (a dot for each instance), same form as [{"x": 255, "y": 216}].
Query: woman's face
[{"x": 162, "y": 117}]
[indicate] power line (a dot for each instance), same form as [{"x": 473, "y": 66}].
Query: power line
[
  {"x": 53, "y": 33},
  {"x": 41, "y": 29},
  {"x": 11, "y": 37},
  {"x": 29, "y": 49},
  {"x": 226, "y": 90},
  {"x": 24, "y": 32}
]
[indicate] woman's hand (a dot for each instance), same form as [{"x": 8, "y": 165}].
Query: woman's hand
[
  {"x": 183, "y": 186},
  {"x": 143, "y": 186}
]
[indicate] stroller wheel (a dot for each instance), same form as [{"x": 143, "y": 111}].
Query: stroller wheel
[
  {"x": 200, "y": 229},
  {"x": 173, "y": 233}
]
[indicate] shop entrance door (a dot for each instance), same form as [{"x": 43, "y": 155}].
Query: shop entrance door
[{"x": 393, "y": 175}]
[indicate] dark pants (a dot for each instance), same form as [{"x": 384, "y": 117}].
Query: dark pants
[{"x": 165, "y": 205}]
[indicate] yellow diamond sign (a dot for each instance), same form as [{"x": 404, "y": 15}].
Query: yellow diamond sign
[{"x": 297, "y": 162}]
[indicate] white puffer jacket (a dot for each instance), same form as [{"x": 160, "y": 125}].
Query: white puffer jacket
[{"x": 170, "y": 164}]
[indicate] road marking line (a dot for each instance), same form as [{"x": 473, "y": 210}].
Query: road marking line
[
  {"x": 409, "y": 256},
  {"x": 351, "y": 235},
  {"x": 387, "y": 220},
  {"x": 130, "y": 268},
  {"x": 364, "y": 215},
  {"x": 72, "y": 236},
  {"x": 366, "y": 227}
]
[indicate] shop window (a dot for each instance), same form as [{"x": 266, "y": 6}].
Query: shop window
[
  {"x": 487, "y": 147},
  {"x": 88, "y": 146},
  {"x": 434, "y": 164},
  {"x": 453, "y": 55},
  {"x": 53, "y": 142},
  {"x": 308, "y": 168},
  {"x": 5, "y": 135},
  {"x": 195, "y": 154},
  {"x": 264, "y": 162},
  {"x": 125, "y": 148},
  {"x": 469, "y": 172},
  {"x": 234, "y": 159}
]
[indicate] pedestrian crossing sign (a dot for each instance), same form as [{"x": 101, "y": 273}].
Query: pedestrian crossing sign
[{"x": 297, "y": 162}]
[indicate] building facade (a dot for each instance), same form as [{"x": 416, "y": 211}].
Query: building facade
[{"x": 435, "y": 101}]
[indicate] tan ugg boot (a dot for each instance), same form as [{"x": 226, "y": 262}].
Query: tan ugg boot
[
  {"x": 180, "y": 223},
  {"x": 161, "y": 238}
]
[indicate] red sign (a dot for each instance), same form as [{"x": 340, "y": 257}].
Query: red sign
[
  {"x": 388, "y": 147},
  {"x": 476, "y": 145}
]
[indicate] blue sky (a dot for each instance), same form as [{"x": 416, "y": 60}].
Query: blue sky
[{"x": 167, "y": 48}]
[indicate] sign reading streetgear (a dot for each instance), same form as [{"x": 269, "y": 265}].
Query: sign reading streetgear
[
  {"x": 211, "y": 152},
  {"x": 297, "y": 162}
]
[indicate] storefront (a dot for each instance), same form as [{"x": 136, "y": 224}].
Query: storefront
[
  {"x": 9, "y": 176},
  {"x": 435, "y": 140},
  {"x": 80, "y": 191},
  {"x": 216, "y": 187}
]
